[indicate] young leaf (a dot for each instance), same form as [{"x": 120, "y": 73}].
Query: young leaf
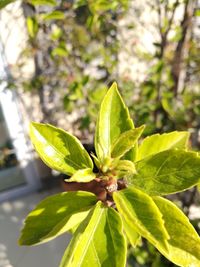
[
  {"x": 96, "y": 161},
  {"x": 126, "y": 166},
  {"x": 141, "y": 214},
  {"x": 159, "y": 142},
  {"x": 167, "y": 172},
  {"x": 56, "y": 215},
  {"x": 113, "y": 120},
  {"x": 59, "y": 149},
  {"x": 125, "y": 142},
  {"x": 98, "y": 241},
  {"x": 184, "y": 242},
  {"x": 82, "y": 176}
]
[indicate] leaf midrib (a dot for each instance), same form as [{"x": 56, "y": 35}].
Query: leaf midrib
[
  {"x": 74, "y": 165},
  {"x": 90, "y": 237},
  {"x": 110, "y": 230},
  {"x": 173, "y": 143},
  {"x": 63, "y": 222},
  {"x": 108, "y": 116},
  {"x": 161, "y": 175}
]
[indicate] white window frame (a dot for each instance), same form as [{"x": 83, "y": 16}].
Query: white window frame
[{"x": 21, "y": 145}]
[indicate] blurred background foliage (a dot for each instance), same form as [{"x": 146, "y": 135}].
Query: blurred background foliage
[{"x": 78, "y": 48}]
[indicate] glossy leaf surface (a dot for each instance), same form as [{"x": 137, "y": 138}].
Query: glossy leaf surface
[
  {"x": 113, "y": 120},
  {"x": 59, "y": 149},
  {"x": 125, "y": 142},
  {"x": 167, "y": 172},
  {"x": 56, "y": 215},
  {"x": 82, "y": 176},
  {"x": 141, "y": 214},
  {"x": 160, "y": 142},
  {"x": 98, "y": 241},
  {"x": 184, "y": 242}
]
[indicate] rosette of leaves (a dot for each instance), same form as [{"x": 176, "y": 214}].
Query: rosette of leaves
[{"x": 123, "y": 201}]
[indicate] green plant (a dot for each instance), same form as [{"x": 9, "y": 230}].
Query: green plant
[
  {"x": 4, "y": 3},
  {"x": 125, "y": 200}
]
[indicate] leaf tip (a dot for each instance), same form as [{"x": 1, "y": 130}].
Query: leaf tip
[
  {"x": 19, "y": 242},
  {"x": 114, "y": 84},
  {"x": 113, "y": 88},
  {"x": 142, "y": 127},
  {"x": 33, "y": 125}
]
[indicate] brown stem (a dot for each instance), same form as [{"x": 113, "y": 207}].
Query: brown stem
[{"x": 103, "y": 189}]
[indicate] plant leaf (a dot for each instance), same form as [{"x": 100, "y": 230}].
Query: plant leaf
[
  {"x": 43, "y": 2},
  {"x": 96, "y": 161},
  {"x": 126, "y": 165},
  {"x": 32, "y": 26},
  {"x": 167, "y": 172},
  {"x": 113, "y": 120},
  {"x": 98, "y": 241},
  {"x": 141, "y": 214},
  {"x": 123, "y": 168},
  {"x": 131, "y": 234},
  {"x": 197, "y": 13},
  {"x": 82, "y": 176},
  {"x": 184, "y": 242},
  {"x": 159, "y": 142},
  {"x": 125, "y": 142},
  {"x": 59, "y": 149},
  {"x": 54, "y": 15},
  {"x": 56, "y": 215},
  {"x": 4, "y": 3}
]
